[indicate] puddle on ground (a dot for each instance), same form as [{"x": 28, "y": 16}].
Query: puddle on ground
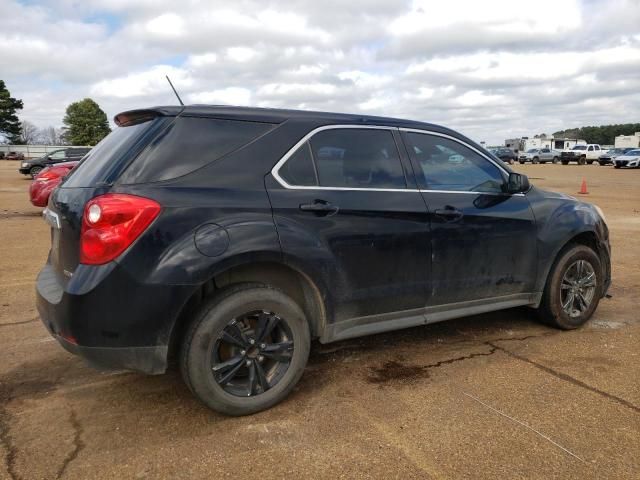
[{"x": 394, "y": 371}]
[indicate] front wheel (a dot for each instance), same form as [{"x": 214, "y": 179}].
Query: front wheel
[
  {"x": 573, "y": 289},
  {"x": 589, "y": 162},
  {"x": 35, "y": 171},
  {"x": 246, "y": 349},
  {"x": 565, "y": 162},
  {"x": 555, "y": 160},
  {"x": 582, "y": 160}
]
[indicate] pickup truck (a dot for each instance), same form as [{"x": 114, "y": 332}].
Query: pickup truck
[
  {"x": 581, "y": 154},
  {"x": 539, "y": 155}
]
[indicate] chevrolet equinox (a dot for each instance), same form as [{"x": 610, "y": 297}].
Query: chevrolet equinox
[{"x": 228, "y": 238}]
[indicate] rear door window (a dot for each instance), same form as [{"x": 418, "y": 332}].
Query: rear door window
[
  {"x": 299, "y": 168},
  {"x": 190, "y": 143},
  {"x": 357, "y": 158}
]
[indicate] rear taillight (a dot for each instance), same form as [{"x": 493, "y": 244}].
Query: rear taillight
[{"x": 111, "y": 223}]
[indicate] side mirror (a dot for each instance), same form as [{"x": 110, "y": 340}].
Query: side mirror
[{"x": 517, "y": 183}]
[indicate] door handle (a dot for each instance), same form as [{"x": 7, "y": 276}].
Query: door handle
[
  {"x": 320, "y": 207},
  {"x": 449, "y": 213}
]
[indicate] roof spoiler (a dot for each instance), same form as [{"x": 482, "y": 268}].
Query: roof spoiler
[{"x": 133, "y": 117}]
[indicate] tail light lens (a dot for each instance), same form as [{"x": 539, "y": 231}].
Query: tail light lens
[
  {"x": 49, "y": 174},
  {"x": 111, "y": 223}
]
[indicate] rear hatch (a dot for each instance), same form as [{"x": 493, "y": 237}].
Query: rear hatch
[{"x": 94, "y": 176}]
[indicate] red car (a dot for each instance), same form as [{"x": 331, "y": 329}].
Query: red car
[{"x": 48, "y": 179}]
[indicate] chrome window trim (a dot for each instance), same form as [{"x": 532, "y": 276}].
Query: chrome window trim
[{"x": 276, "y": 168}]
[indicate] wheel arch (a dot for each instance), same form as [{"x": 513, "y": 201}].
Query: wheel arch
[
  {"x": 588, "y": 238},
  {"x": 296, "y": 283}
]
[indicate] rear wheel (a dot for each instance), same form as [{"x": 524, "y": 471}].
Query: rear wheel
[
  {"x": 246, "y": 349},
  {"x": 573, "y": 288}
]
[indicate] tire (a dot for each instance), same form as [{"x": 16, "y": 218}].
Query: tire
[
  {"x": 582, "y": 160},
  {"x": 35, "y": 171},
  {"x": 555, "y": 160},
  {"x": 551, "y": 309},
  {"x": 565, "y": 162},
  {"x": 521, "y": 162},
  {"x": 203, "y": 343},
  {"x": 616, "y": 166},
  {"x": 535, "y": 160},
  {"x": 589, "y": 162}
]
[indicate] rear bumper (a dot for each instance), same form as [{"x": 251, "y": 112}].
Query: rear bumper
[
  {"x": 106, "y": 316},
  {"x": 151, "y": 360}
]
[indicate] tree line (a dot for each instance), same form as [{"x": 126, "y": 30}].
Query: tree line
[
  {"x": 603, "y": 135},
  {"x": 84, "y": 123}
]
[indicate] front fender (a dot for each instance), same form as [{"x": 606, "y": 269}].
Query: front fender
[{"x": 560, "y": 219}]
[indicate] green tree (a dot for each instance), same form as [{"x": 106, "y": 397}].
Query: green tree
[
  {"x": 85, "y": 123},
  {"x": 9, "y": 124},
  {"x": 604, "y": 134}
]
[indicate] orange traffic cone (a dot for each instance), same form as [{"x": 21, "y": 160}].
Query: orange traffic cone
[{"x": 583, "y": 187}]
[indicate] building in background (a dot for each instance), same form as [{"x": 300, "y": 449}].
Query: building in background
[
  {"x": 627, "y": 141},
  {"x": 526, "y": 143}
]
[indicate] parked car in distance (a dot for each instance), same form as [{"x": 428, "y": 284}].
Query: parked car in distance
[
  {"x": 48, "y": 179},
  {"x": 539, "y": 155},
  {"x": 34, "y": 166},
  {"x": 14, "y": 156},
  {"x": 581, "y": 154},
  {"x": 230, "y": 237},
  {"x": 505, "y": 154},
  {"x": 628, "y": 159},
  {"x": 607, "y": 158}
]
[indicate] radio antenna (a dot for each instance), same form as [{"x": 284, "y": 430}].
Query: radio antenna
[{"x": 174, "y": 90}]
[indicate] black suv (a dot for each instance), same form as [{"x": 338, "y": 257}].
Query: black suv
[
  {"x": 35, "y": 165},
  {"x": 231, "y": 237},
  {"x": 506, "y": 155}
]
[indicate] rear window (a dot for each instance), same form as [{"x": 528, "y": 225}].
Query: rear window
[
  {"x": 188, "y": 144},
  {"x": 94, "y": 167}
]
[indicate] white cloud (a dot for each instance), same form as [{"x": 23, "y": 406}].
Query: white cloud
[
  {"x": 225, "y": 96},
  {"x": 492, "y": 69}
]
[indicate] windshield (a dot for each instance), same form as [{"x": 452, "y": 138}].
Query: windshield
[
  {"x": 532, "y": 150},
  {"x": 633, "y": 152},
  {"x": 579, "y": 147}
]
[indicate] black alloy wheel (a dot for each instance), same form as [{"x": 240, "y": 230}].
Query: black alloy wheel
[
  {"x": 245, "y": 349},
  {"x": 252, "y": 353}
]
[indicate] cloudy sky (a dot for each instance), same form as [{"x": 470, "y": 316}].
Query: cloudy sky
[{"x": 492, "y": 69}]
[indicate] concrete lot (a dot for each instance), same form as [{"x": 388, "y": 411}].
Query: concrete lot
[{"x": 491, "y": 396}]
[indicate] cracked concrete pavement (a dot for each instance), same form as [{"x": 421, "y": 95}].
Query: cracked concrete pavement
[{"x": 495, "y": 395}]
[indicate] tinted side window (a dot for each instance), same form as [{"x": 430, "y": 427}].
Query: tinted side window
[
  {"x": 357, "y": 158},
  {"x": 190, "y": 143},
  {"x": 449, "y": 165},
  {"x": 299, "y": 168}
]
